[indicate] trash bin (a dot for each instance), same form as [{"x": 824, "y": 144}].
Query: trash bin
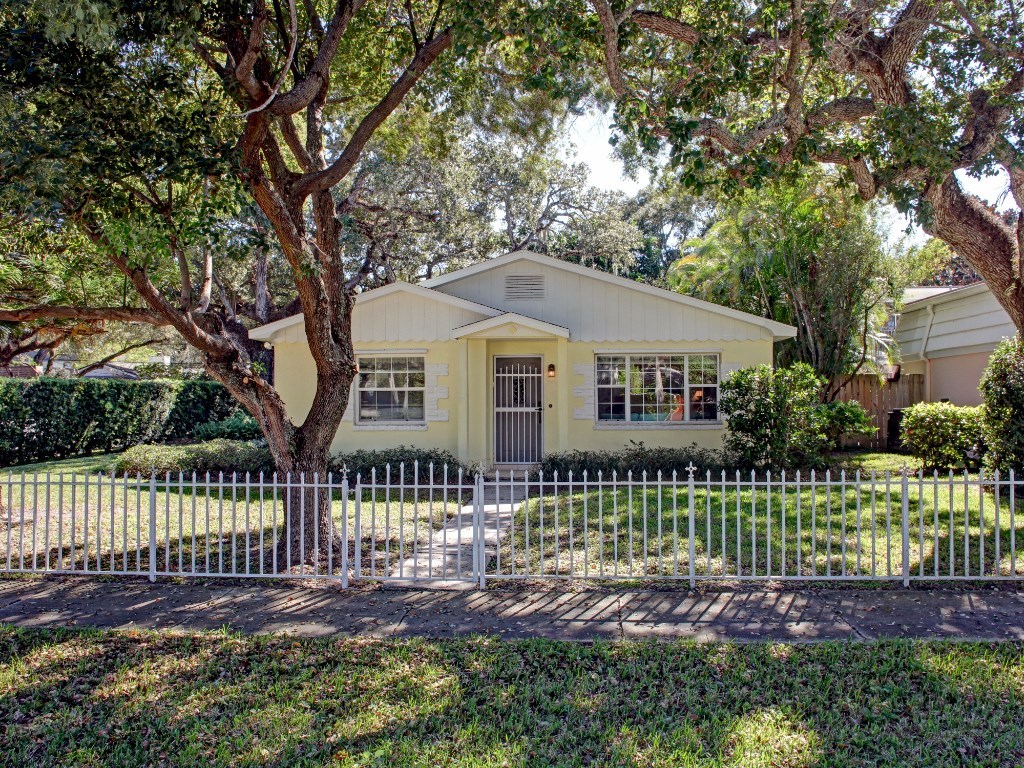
[{"x": 893, "y": 435}]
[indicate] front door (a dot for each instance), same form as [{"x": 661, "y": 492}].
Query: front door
[{"x": 518, "y": 410}]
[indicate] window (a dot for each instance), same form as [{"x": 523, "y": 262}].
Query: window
[
  {"x": 657, "y": 388},
  {"x": 390, "y": 390}
]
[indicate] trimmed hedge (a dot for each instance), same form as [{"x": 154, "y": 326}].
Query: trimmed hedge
[
  {"x": 364, "y": 462},
  {"x": 943, "y": 435},
  {"x": 240, "y": 426},
  {"x": 253, "y": 456},
  {"x": 215, "y": 456},
  {"x": 48, "y": 418},
  {"x": 636, "y": 458}
]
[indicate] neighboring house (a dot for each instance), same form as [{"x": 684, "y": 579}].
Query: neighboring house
[
  {"x": 111, "y": 371},
  {"x": 524, "y": 354},
  {"x": 18, "y": 371},
  {"x": 948, "y": 335}
]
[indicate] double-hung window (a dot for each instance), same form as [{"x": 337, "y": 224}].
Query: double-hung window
[
  {"x": 390, "y": 390},
  {"x": 657, "y": 388}
]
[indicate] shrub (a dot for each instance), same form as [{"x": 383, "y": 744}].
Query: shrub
[
  {"x": 240, "y": 426},
  {"x": 635, "y": 458},
  {"x": 837, "y": 419},
  {"x": 48, "y": 418},
  {"x": 215, "y": 456},
  {"x": 1002, "y": 390},
  {"x": 943, "y": 435},
  {"x": 195, "y": 403},
  {"x": 364, "y": 462},
  {"x": 775, "y": 417}
]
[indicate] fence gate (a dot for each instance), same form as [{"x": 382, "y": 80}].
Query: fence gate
[{"x": 518, "y": 410}]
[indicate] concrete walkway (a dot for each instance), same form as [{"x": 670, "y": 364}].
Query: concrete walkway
[
  {"x": 449, "y": 552},
  {"x": 797, "y": 616}
]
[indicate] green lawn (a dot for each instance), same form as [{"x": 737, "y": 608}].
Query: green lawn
[
  {"x": 827, "y": 529},
  {"x": 95, "y": 523},
  {"x": 90, "y": 698},
  {"x": 97, "y": 462},
  {"x": 601, "y": 533}
]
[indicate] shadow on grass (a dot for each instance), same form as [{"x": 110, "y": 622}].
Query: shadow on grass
[
  {"x": 839, "y": 533},
  {"x": 131, "y": 699}
]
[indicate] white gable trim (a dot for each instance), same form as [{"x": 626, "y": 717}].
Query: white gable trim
[
  {"x": 268, "y": 331},
  {"x": 511, "y": 318},
  {"x": 946, "y": 296},
  {"x": 778, "y": 330}
]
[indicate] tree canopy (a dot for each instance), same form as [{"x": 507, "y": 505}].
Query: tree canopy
[
  {"x": 151, "y": 128},
  {"x": 902, "y": 95},
  {"x": 807, "y": 253}
]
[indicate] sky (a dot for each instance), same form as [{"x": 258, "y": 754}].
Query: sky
[{"x": 590, "y": 133}]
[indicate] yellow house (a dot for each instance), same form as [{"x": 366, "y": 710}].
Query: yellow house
[{"x": 523, "y": 355}]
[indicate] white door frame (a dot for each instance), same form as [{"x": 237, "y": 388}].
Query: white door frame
[{"x": 539, "y": 410}]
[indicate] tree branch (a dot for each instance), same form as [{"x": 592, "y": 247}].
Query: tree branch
[
  {"x": 340, "y": 168},
  {"x": 104, "y": 360},
  {"x": 319, "y": 72},
  {"x": 52, "y": 312}
]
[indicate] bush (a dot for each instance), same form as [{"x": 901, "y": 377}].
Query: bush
[
  {"x": 215, "y": 456},
  {"x": 240, "y": 426},
  {"x": 775, "y": 418},
  {"x": 636, "y": 458},
  {"x": 49, "y": 418},
  {"x": 838, "y": 419},
  {"x": 195, "y": 403},
  {"x": 364, "y": 462},
  {"x": 943, "y": 435},
  {"x": 1002, "y": 390}
]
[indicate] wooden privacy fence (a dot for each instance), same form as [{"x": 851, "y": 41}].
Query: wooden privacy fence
[{"x": 879, "y": 398}]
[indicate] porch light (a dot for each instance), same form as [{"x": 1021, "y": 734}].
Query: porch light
[{"x": 551, "y": 371}]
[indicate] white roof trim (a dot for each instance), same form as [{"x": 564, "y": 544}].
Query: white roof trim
[
  {"x": 779, "y": 330},
  {"x": 268, "y": 331},
  {"x": 941, "y": 298},
  {"x": 482, "y": 326}
]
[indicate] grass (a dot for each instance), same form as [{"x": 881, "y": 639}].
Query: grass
[
  {"x": 233, "y": 529},
  {"x": 84, "y": 465},
  {"x": 867, "y": 461},
  {"x": 601, "y": 533},
  {"x": 91, "y": 698},
  {"x": 825, "y": 530}
]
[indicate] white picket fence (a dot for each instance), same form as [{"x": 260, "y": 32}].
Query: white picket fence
[{"x": 431, "y": 524}]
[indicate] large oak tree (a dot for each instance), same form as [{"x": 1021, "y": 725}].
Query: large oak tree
[
  {"x": 146, "y": 126},
  {"x": 902, "y": 94}
]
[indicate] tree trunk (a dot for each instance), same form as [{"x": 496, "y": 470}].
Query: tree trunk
[
  {"x": 989, "y": 244},
  {"x": 301, "y": 458}
]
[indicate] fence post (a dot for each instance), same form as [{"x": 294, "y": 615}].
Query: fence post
[
  {"x": 344, "y": 531},
  {"x": 905, "y": 526},
  {"x": 692, "y": 529},
  {"x": 358, "y": 572},
  {"x": 479, "y": 563},
  {"x": 152, "y": 526}
]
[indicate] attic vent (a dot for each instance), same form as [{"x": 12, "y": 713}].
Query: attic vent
[{"x": 524, "y": 287}]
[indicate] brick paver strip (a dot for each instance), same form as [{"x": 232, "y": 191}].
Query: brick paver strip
[{"x": 754, "y": 614}]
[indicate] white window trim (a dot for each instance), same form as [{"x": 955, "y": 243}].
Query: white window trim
[
  {"x": 382, "y": 425},
  {"x": 687, "y": 422}
]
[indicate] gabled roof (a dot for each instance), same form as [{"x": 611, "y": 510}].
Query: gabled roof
[
  {"x": 779, "y": 330},
  {"x": 268, "y": 331},
  {"x": 942, "y": 296},
  {"x": 515, "y": 322}
]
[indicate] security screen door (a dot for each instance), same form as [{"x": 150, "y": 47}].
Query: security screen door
[{"x": 518, "y": 410}]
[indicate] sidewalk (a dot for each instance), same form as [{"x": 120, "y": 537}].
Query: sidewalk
[{"x": 797, "y": 616}]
